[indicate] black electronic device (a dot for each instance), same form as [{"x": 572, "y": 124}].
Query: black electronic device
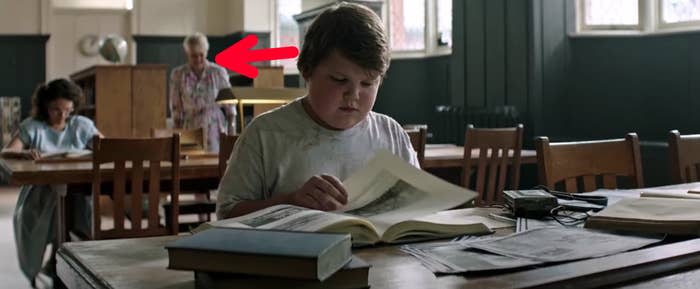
[{"x": 530, "y": 203}]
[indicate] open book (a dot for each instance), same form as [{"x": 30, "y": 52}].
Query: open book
[
  {"x": 54, "y": 155},
  {"x": 68, "y": 154},
  {"x": 693, "y": 193},
  {"x": 388, "y": 201},
  {"x": 653, "y": 215}
]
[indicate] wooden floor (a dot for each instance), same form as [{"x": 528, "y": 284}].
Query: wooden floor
[{"x": 10, "y": 274}]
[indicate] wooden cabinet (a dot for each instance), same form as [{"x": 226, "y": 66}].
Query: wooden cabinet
[{"x": 124, "y": 100}]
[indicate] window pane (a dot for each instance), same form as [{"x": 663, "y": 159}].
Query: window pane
[
  {"x": 288, "y": 32},
  {"x": 606, "y": 12},
  {"x": 444, "y": 22},
  {"x": 407, "y": 24},
  {"x": 681, "y": 10}
]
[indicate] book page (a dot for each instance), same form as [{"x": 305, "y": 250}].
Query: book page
[
  {"x": 457, "y": 257},
  {"x": 553, "y": 244},
  {"x": 671, "y": 193},
  {"x": 293, "y": 218},
  {"x": 389, "y": 191},
  {"x": 66, "y": 154},
  {"x": 653, "y": 209},
  {"x": 445, "y": 224}
]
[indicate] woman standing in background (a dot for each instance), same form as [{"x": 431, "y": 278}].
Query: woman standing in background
[{"x": 193, "y": 90}]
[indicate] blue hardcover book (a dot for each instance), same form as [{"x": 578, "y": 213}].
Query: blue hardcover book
[
  {"x": 354, "y": 275},
  {"x": 301, "y": 255}
]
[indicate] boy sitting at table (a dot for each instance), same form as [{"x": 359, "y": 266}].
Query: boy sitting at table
[{"x": 298, "y": 153}]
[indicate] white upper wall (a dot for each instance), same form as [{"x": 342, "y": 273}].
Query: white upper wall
[
  {"x": 170, "y": 17},
  {"x": 91, "y": 4},
  {"x": 69, "y": 26},
  {"x": 20, "y": 16},
  {"x": 258, "y": 15},
  {"x": 213, "y": 17},
  {"x": 149, "y": 17}
]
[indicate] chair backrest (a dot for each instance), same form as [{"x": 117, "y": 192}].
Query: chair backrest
[
  {"x": 225, "y": 149},
  {"x": 190, "y": 139},
  {"x": 128, "y": 157},
  {"x": 596, "y": 163},
  {"x": 418, "y": 138},
  {"x": 684, "y": 156},
  {"x": 497, "y": 148}
]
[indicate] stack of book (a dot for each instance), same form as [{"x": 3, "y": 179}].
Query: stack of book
[{"x": 247, "y": 258}]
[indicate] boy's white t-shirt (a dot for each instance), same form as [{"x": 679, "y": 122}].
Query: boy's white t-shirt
[{"x": 281, "y": 149}]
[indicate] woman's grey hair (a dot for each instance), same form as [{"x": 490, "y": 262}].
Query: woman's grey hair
[{"x": 196, "y": 39}]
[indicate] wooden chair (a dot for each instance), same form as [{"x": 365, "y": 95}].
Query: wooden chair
[
  {"x": 225, "y": 149},
  {"x": 121, "y": 152},
  {"x": 684, "y": 156},
  {"x": 587, "y": 166},
  {"x": 418, "y": 138},
  {"x": 190, "y": 139},
  {"x": 497, "y": 148}
]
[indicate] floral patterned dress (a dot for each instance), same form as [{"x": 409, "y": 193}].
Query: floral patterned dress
[{"x": 192, "y": 101}]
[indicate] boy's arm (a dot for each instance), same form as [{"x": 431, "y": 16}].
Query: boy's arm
[{"x": 324, "y": 192}]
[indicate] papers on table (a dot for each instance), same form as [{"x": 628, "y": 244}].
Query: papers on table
[{"x": 532, "y": 247}]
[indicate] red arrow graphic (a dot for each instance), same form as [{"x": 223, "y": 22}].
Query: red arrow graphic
[{"x": 237, "y": 56}]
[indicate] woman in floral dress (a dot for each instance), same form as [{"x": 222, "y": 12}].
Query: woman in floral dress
[{"x": 193, "y": 90}]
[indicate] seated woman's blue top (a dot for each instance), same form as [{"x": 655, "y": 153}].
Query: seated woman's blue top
[
  {"x": 34, "y": 218},
  {"x": 36, "y": 134}
]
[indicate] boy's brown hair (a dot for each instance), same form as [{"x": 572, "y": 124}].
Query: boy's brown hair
[{"x": 354, "y": 30}]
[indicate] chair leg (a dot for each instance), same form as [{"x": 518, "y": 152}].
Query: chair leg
[{"x": 203, "y": 196}]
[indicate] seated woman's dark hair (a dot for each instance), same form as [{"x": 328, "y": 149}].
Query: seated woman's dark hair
[{"x": 57, "y": 88}]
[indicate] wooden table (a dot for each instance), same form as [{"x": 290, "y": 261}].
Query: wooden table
[
  {"x": 199, "y": 172},
  {"x": 448, "y": 156},
  {"x": 141, "y": 263},
  {"x": 27, "y": 172}
]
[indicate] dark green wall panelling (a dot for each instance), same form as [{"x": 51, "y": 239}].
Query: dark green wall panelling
[
  {"x": 494, "y": 65},
  {"x": 168, "y": 49},
  {"x": 491, "y": 54},
  {"x": 457, "y": 58},
  {"x": 22, "y": 66},
  {"x": 643, "y": 84},
  {"x": 474, "y": 60},
  {"x": 413, "y": 87}
]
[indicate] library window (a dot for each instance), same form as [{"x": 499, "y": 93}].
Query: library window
[
  {"x": 638, "y": 16},
  {"x": 610, "y": 15},
  {"x": 444, "y": 23},
  {"x": 287, "y": 30},
  {"x": 416, "y": 28},
  {"x": 680, "y": 12},
  {"x": 407, "y": 25}
]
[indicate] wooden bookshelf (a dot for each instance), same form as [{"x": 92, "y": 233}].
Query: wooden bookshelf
[{"x": 124, "y": 100}]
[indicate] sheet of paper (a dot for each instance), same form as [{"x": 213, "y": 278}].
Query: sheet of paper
[{"x": 551, "y": 244}]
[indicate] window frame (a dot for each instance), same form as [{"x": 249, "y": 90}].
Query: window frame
[
  {"x": 663, "y": 25},
  {"x": 275, "y": 40},
  {"x": 431, "y": 26},
  {"x": 430, "y": 36},
  {"x": 650, "y": 22},
  {"x": 583, "y": 27}
]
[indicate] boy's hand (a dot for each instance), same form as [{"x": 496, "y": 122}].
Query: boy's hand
[{"x": 324, "y": 192}]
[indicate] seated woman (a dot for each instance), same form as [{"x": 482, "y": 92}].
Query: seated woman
[{"x": 51, "y": 128}]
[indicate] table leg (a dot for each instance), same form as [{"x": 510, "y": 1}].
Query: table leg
[{"x": 62, "y": 191}]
